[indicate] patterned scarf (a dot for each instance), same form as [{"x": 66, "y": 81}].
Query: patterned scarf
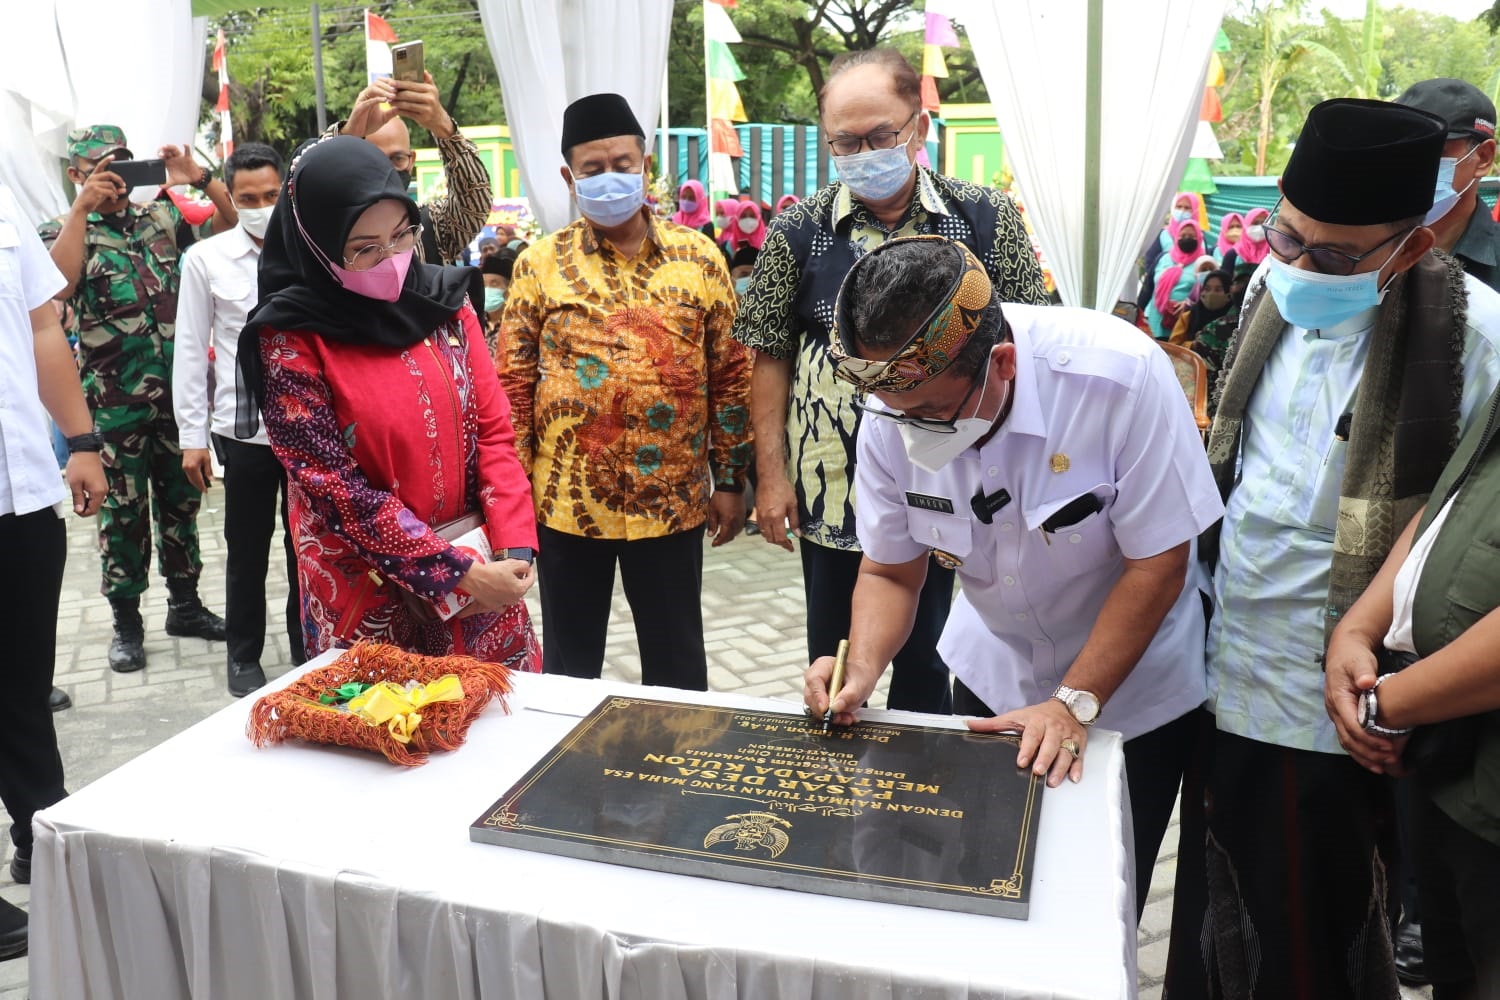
[{"x": 1405, "y": 421}]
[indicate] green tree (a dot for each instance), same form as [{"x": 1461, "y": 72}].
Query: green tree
[{"x": 272, "y": 91}]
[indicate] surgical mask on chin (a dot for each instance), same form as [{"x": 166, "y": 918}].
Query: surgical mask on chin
[
  {"x": 610, "y": 199},
  {"x": 382, "y": 282},
  {"x": 1316, "y": 301},
  {"x": 1445, "y": 197},
  {"x": 255, "y": 220},
  {"x": 494, "y": 298},
  {"x": 931, "y": 450},
  {"x": 876, "y": 174}
]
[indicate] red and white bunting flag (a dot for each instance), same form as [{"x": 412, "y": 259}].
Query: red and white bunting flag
[
  {"x": 378, "y": 36},
  {"x": 221, "y": 65}
]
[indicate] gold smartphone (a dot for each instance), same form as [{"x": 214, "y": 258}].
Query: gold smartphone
[{"x": 407, "y": 60}]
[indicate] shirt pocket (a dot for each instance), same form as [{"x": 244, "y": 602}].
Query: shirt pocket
[
  {"x": 1322, "y": 509},
  {"x": 950, "y": 537},
  {"x": 230, "y": 287},
  {"x": 1087, "y": 545},
  {"x": 1473, "y": 588}
]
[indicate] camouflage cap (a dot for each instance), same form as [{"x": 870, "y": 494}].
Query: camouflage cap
[{"x": 93, "y": 141}]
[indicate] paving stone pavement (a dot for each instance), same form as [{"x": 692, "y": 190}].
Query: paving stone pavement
[{"x": 754, "y": 632}]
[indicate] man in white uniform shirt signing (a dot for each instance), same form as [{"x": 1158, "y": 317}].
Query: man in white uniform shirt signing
[
  {"x": 217, "y": 293},
  {"x": 1050, "y": 457}
]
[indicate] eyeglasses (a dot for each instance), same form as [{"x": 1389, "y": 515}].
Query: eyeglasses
[
  {"x": 1325, "y": 259},
  {"x": 848, "y": 145},
  {"x": 371, "y": 254},
  {"x": 936, "y": 425}
]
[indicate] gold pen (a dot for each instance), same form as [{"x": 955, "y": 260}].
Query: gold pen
[{"x": 839, "y": 662}]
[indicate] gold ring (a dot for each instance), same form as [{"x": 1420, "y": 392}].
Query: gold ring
[{"x": 1071, "y": 745}]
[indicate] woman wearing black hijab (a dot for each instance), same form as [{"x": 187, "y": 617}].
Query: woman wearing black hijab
[{"x": 380, "y": 399}]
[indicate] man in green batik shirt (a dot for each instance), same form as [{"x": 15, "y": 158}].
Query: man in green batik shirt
[{"x": 120, "y": 261}]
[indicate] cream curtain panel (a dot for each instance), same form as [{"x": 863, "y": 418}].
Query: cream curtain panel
[
  {"x": 68, "y": 68},
  {"x": 551, "y": 53},
  {"x": 1032, "y": 55}
]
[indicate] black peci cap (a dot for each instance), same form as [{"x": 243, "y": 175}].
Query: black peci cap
[
  {"x": 1364, "y": 163},
  {"x": 598, "y": 116}
]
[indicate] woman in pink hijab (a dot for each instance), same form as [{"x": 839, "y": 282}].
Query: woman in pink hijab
[
  {"x": 1252, "y": 247},
  {"x": 692, "y": 208},
  {"x": 784, "y": 202},
  {"x": 1174, "y": 277},
  {"x": 1231, "y": 231},
  {"x": 746, "y": 228},
  {"x": 725, "y": 211}
]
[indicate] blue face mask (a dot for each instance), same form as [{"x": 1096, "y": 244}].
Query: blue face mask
[
  {"x": 1316, "y": 301},
  {"x": 609, "y": 199},
  {"x": 742, "y": 285},
  {"x": 876, "y": 174},
  {"x": 1446, "y": 197},
  {"x": 1182, "y": 214},
  {"x": 494, "y": 298}
]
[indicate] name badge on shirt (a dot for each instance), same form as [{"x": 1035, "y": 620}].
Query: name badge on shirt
[{"x": 941, "y": 505}]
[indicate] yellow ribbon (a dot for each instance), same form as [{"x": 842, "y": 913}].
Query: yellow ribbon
[{"x": 399, "y": 710}]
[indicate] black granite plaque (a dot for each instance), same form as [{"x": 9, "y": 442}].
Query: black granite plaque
[{"x": 903, "y": 814}]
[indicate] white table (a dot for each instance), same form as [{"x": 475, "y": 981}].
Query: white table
[{"x": 206, "y": 868}]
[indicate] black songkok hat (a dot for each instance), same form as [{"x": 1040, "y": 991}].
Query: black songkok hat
[
  {"x": 598, "y": 116},
  {"x": 1364, "y": 163}
]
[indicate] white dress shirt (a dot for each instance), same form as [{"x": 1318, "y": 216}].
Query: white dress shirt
[
  {"x": 1265, "y": 645},
  {"x": 1096, "y": 409},
  {"x": 29, "y": 480},
  {"x": 218, "y": 291}
]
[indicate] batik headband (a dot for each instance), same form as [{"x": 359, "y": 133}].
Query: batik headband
[{"x": 937, "y": 339}]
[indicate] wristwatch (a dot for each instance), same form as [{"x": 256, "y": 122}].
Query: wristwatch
[
  {"x": 1369, "y": 711},
  {"x": 524, "y": 554},
  {"x": 1084, "y": 705},
  {"x": 92, "y": 441}
]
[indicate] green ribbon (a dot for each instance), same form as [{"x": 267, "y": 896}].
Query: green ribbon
[{"x": 343, "y": 693}]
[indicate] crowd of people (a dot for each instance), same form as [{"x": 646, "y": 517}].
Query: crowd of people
[{"x": 1005, "y": 503}]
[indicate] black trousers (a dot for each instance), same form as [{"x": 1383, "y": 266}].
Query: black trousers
[
  {"x": 1459, "y": 878},
  {"x": 663, "y": 579},
  {"x": 1154, "y": 764},
  {"x": 1282, "y": 887},
  {"x": 919, "y": 677},
  {"x": 31, "y": 770},
  {"x": 252, "y": 479}
]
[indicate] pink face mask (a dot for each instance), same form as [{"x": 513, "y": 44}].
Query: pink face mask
[{"x": 382, "y": 282}]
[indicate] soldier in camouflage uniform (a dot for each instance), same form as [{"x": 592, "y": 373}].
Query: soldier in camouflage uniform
[{"x": 121, "y": 264}]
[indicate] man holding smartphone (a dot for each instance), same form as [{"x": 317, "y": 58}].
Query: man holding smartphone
[
  {"x": 451, "y": 221},
  {"x": 120, "y": 264}
]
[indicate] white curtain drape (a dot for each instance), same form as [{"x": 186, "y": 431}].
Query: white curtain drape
[
  {"x": 76, "y": 62},
  {"x": 1031, "y": 55},
  {"x": 551, "y": 54}
]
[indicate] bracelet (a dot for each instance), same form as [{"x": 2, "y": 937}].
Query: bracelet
[
  {"x": 203, "y": 181},
  {"x": 92, "y": 441}
]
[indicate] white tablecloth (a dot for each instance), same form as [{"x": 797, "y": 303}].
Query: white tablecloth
[{"x": 206, "y": 868}]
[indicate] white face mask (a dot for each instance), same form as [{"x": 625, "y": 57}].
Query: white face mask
[
  {"x": 749, "y": 224},
  {"x": 255, "y": 220},
  {"x": 931, "y": 450},
  {"x": 1257, "y": 233}
]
